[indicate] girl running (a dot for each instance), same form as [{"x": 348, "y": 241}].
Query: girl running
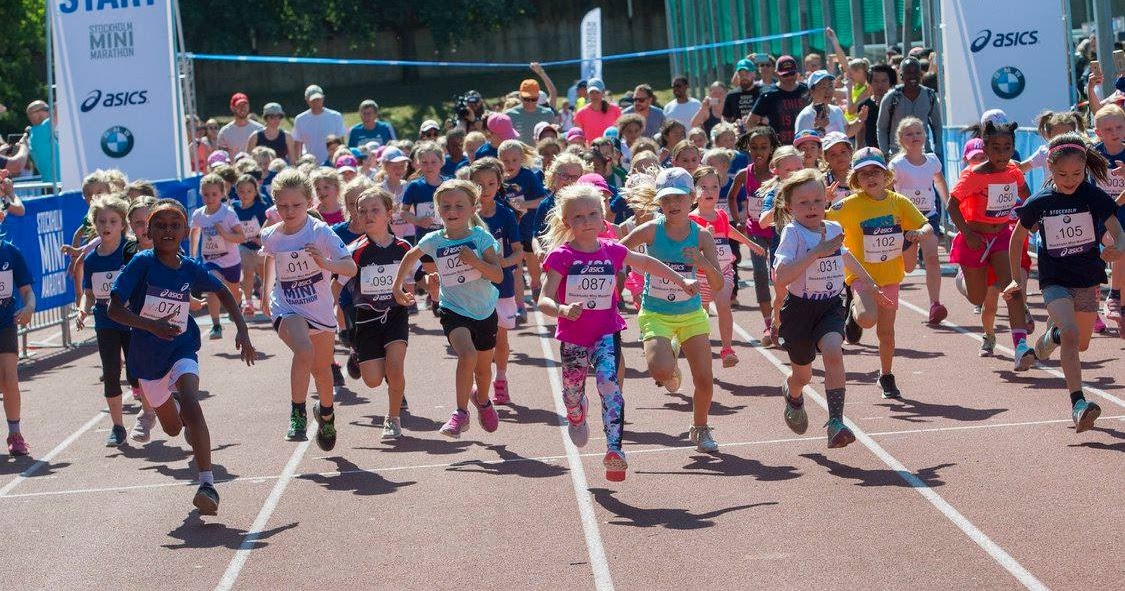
[
  {"x": 917, "y": 175},
  {"x": 686, "y": 156},
  {"x": 302, "y": 253},
  {"x": 468, "y": 264},
  {"x": 395, "y": 164},
  {"x": 523, "y": 192},
  {"x": 786, "y": 161},
  {"x": 808, "y": 142},
  {"x": 1072, "y": 215},
  {"x": 876, "y": 223},
  {"x": 672, "y": 315},
  {"x": 15, "y": 286},
  {"x": 746, "y": 202},
  {"x": 151, "y": 295},
  {"x": 217, "y": 232},
  {"x": 579, "y": 291},
  {"x": 837, "y": 164},
  {"x": 418, "y": 204},
  {"x": 328, "y": 185},
  {"x": 251, "y": 212},
  {"x": 348, "y": 231},
  {"x": 1109, "y": 125},
  {"x": 640, "y": 190}
]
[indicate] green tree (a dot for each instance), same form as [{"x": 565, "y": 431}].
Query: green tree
[{"x": 23, "y": 67}]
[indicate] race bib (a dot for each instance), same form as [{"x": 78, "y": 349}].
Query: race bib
[
  {"x": 452, "y": 269},
  {"x": 214, "y": 245},
  {"x": 1069, "y": 234},
  {"x": 754, "y": 207},
  {"x": 298, "y": 275},
  {"x": 251, "y": 228},
  {"x": 7, "y": 287},
  {"x": 923, "y": 199},
  {"x": 1001, "y": 200},
  {"x": 1114, "y": 186},
  {"x": 724, "y": 252},
  {"x": 399, "y": 226},
  {"x": 592, "y": 284},
  {"x": 824, "y": 277},
  {"x": 882, "y": 244},
  {"x": 426, "y": 210},
  {"x": 375, "y": 281},
  {"x": 102, "y": 283},
  {"x": 160, "y": 303},
  {"x": 666, "y": 290}
]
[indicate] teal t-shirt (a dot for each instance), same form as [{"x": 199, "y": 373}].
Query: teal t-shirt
[
  {"x": 463, "y": 289},
  {"x": 40, "y": 143}
]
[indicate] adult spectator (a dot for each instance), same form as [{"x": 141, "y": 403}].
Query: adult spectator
[
  {"x": 711, "y": 113},
  {"x": 821, "y": 114},
  {"x": 10, "y": 203},
  {"x": 740, "y": 103},
  {"x": 881, "y": 79},
  {"x": 273, "y": 136},
  {"x": 684, "y": 107},
  {"x": 642, "y": 105},
  {"x": 813, "y": 63},
  {"x": 198, "y": 148},
  {"x": 312, "y": 127},
  {"x": 910, "y": 99},
  {"x": 235, "y": 136},
  {"x": 598, "y": 114},
  {"x": 370, "y": 128},
  {"x": 767, "y": 68},
  {"x": 530, "y": 112},
  {"x": 41, "y": 140},
  {"x": 779, "y": 104},
  {"x": 13, "y": 158}
]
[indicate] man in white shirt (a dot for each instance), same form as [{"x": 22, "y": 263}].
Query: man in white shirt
[
  {"x": 312, "y": 127},
  {"x": 234, "y": 136},
  {"x": 684, "y": 108}
]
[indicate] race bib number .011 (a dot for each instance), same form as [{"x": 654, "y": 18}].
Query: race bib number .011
[
  {"x": 1069, "y": 234},
  {"x": 1001, "y": 200},
  {"x": 668, "y": 291},
  {"x": 591, "y": 284},
  {"x": 298, "y": 274},
  {"x": 882, "y": 243},
  {"x": 824, "y": 277},
  {"x": 160, "y": 303},
  {"x": 102, "y": 283},
  {"x": 375, "y": 281},
  {"x": 452, "y": 269}
]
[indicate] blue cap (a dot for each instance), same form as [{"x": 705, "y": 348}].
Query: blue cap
[
  {"x": 865, "y": 157},
  {"x": 595, "y": 84},
  {"x": 745, "y": 64},
  {"x": 806, "y": 135},
  {"x": 819, "y": 76},
  {"x": 610, "y": 132},
  {"x": 674, "y": 181}
]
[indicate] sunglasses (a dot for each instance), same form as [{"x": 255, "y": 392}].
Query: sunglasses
[
  {"x": 530, "y": 100},
  {"x": 640, "y": 99},
  {"x": 567, "y": 177}
]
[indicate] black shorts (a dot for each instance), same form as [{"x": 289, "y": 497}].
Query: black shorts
[
  {"x": 804, "y": 322},
  {"x": 9, "y": 340},
  {"x": 483, "y": 332},
  {"x": 371, "y": 336}
]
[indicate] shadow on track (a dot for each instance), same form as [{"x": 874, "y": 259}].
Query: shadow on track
[
  {"x": 351, "y": 477},
  {"x": 195, "y": 533},
  {"x": 916, "y": 411},
  {"x": 722, "y": 464},
  {"x": 509, "y": 464},
  {"x": 670, "y": 518},
  {"x": 877, "y": 477}
]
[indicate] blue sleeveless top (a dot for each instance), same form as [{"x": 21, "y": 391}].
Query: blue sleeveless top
[{"x": 665, "y": 297}]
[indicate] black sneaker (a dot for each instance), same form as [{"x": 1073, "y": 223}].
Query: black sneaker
[
  {"x": 326, "y": 430},
  {"x": 887, "y": 383},
  {"x": 206, "y": 499},
  {"x": 853, "y": 332},
  {"x": 404, "y": 404},
  {"x": 116, "y": 437},
  {"x": 337, "y": 375},
  {"x": 298, "y": 427},
  {"x": 353, "y": 366}
]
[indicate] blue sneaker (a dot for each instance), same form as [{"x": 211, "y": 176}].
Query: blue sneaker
[{"x": 1084, "y": 415}]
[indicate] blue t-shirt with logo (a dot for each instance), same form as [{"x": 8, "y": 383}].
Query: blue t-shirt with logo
[
  {"x": 506, "y": 230},
  {"x": 255, "y": 214},
  {"x": 98, "y": 274},
  {"x": 527, "y": 186},
  {"x": 14, "y": 274},
  {"x": 462, "y": 289},
  {"x": 359, "y": 135},
  {"x": 420, "y": 194}
]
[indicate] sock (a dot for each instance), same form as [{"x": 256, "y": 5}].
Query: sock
[
  {"x": 768, "y": 322},
  {"x": 1056, "y": 336},
  {"x": 1115, "y": 294},
  {"x": 300, "y": 408},
  {"x": 501, "y": 376},
  {"x": 325, "y": 411},
  {"x": 13, "y": 427},
  {"x": 207, "y": 477},
  {"x": 461, "y": 410},
  {"x": 1018, "y": 335},
  {"x": 835, "y": 403},
  {"x": 1076, "y": 396},
  {"x": 797, "y": 402}
]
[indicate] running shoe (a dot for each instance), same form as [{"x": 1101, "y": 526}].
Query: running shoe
[
  {"x": 1113, "y": 309},
  {"x": 853, "y": 332},
  {"x": 500, "y": 392},
  {"x": 337, "y": 375},
  {"x": 673, "y": 385},
  {"x": 1084, "y": 415},
  {"x": 938, "y": 313},
  {"x": 298, "y": 427},
  {"x": 521, "y": 315},
  {"x": 700, "y": 435},
  {"x": 578, "y": 427},
  {"x": 795, "y": 416},
  {"x": 16, "y": 445},
  {"x": 767, "y": 337},
  {"x": 978, "y": 310},
  {"x": 404, "y": 405},
  {"x": 325, "y": 430},
  {"x": 136, "y": 393},
  {"x": 1099, "y": 324},
  {"x": 116, "y": 437},
  {"x": 248, "y": 310},
  {"x": 142, "y": 430},
  {"x": 987, "y": 345},
  {"x": 839, "y": 435},
  {"x": 1045, "y": 345},
  {"x": 353, "y": 366},
  {"x": 1024, "y": 357},
  {"x": 216, "y": 332},
  {"x": 392, "y": 428},
  {"x": 887, "y": 383},
  {"x": 728, "y": 356},
  {"x": 206, "y": 499},
  {"x": 1028, "y": 319},
  {"x": 615, "y": 465},
  {"x": 457, "y": 424},
  {"x": 486, "y": 414}
]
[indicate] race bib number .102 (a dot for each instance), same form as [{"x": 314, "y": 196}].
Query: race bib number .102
[{"x": 882, "y": 243}]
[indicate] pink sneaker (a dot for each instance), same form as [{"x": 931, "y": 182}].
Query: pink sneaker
[
  {"x": 578, "y": 428},
  {"x": 1099, "y": 326},
  {"x": 937, "y": 313},
  {"x": 500, "y": 392},
  {"x": 615, "y": 465},
  {"x": 456, "y": 425},
  {"x": 728, "y": 357},
  {"x": 486, "y": 415},
  {"x": 16, "y": 445}
]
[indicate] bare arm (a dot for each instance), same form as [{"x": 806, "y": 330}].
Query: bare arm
[{"x": 552, "y": 92}]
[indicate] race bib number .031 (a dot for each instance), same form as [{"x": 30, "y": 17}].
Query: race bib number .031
[
  {"x": 452, "y": 269},
  {"x": 824, "y": 277},
  {"x": 1069, "y": 234}
]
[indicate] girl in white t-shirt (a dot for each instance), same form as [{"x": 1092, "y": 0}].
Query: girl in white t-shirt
[{"x": 216, "y": 233}]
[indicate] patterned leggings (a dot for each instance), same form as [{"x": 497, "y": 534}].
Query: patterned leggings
[{"x": 576, "y": 363}]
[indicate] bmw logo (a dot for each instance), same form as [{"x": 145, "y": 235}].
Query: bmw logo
[
  {"x": 117, "y": 142},
  {"x": 1066, "y": 219},
  {"x": 591, "y": 304},
  {"x": 671, "y": 297},
  {"x": 379, "y": 270},
  {"x": 1008, "y": 82},
  {"x": 461, "y": 279},
  {"x": 295, "y": 254}
]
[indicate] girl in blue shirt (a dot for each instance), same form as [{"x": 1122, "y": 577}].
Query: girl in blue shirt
[{"x": 14, "y": 276}]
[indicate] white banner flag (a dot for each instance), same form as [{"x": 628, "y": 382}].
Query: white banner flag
[
  {"x": 592, "y": 44},
  {"x": 118, "y": 97},
  {"x": 1002, "y": 56}
]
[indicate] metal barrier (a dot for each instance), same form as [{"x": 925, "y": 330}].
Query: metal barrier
[
  {"x": 29, "y": 189},
  {"x": 56, "y": 317}
]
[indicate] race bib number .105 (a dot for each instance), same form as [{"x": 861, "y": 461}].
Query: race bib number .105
[{"x": 1069, "y": 234}]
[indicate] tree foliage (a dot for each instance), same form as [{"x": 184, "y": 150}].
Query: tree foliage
[{"x": 22, "y": 65}]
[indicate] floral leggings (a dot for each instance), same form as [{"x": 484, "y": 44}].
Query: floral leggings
[{"x": 576, "y": 363}]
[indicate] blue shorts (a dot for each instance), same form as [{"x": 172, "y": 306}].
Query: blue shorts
[{"x": 229, "y": 274}]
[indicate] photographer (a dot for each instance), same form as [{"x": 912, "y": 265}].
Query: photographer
[{"x": 469, "y": 111}]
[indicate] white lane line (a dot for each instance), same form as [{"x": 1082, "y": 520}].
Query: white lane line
[
  {"x": 1010, "y": 353},
  {"x": 976, "y": 535},
  {"x": 603, "y": 581},
  {"x": 43, "y": 461},
  {"x": 248, "y": 542}
]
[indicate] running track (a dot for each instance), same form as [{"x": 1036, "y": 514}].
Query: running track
[{"x": 975, "y": 480}]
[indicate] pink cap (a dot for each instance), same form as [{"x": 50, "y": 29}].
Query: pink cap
[
  {"x": 575, "y": 132},
  {"x": 973, "y": 147},
  {"x": 596, "y": 180},
  {"x": 347, "y": 160},
  {"x": 218, "y": 157},
  {"x": 501, "y": 126}
]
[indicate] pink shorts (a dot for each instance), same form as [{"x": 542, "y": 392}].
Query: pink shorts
[
  {"x": 962, "y": 255},
  {"x": 891, "y": 291},
  {"x": 706, "y": 291}
]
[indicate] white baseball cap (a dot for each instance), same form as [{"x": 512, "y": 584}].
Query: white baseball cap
[{"x": 673, "y": 181}]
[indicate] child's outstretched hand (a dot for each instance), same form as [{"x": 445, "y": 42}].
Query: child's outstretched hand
[
  {"x": 691, "y": 286},
  {"x": 756, "y": 249},
  {"x": 242, "y": 344},
  {"x": 404, "y": 298},
  {"x": 164, "y": 328}
]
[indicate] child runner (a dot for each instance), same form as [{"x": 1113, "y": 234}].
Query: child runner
[
  {"x": 251, "y": 212},
  {"x": 686, "y": 155},
  {"x": 672, "y": 315},
  {"x": 810, "y": 264},
  {"x": 744, "y": 198},
  {"x": 467, "y": 266},
  {"x": 808, "y": 142},
  {"x": 579, "y": 291},
  {"x": 917, "y": 174},
  {"x": 876, "y": 222},
  {"x": 394, "y": 164},
  {"x": 640, "y": 190},
  {"x": 707, "y": 215},
  {"x": 302, "y": 253},
  {"x": 1052, "y": 124},
  {"x": 138, "y": 225},
  {"x": 418, "y": 205},
  {"x": 217, "y": 231},
  {"x": 786, "y": 160},
  {"x": 523, "y": 192},
  {"x": 837, "y": 163},
  {"x": 15, "y": 286},
  {"x": 349, "y": 230},
  {"x": 1072, "y": 215},
  {"x": 980, "y": 206},
  {"x": 328, "y": 185},
  {"x": 1109, "y": 125},
  {"x": 486, "y": 173},
  {"x": 152, "y": 296}
]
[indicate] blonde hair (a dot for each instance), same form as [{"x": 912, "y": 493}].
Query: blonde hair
[
  {"x": 703, "y": 171},
  {"x": 486, "y": 164},
  {"x": 903, "y": 125},
  {"x": 721, "y": 128},
  {"x": 116, "y": 179},
  {"x": 114, "y": 202},
  {"x": 785, "y": 192},
  {"x": 557, "y": 232},
  {"x": 327, "y": 174},
  {"x": 527, "y": 151},
  {"x": 853, "y": 179},
  {"x": 213, "y": 180},
  {"x": 292, "y": 178},
  {"x": 564, "y": 159},
  {"x": 469, "y": 189},
  {"x": 144, "y": 202},
  {"x": 97, "y": 177},
  {"x": 353, "y": 191},
  {"x": 640, "y": 192},
  {"x": 683, "y": 146},
  {"x": 779, "y": 154},
  {"x": 142, "y": 187},
  {"x": 720, "y": 154},
  {"x": 1108, "y": 112}
]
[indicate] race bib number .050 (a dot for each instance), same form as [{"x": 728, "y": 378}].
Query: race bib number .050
[
  {"x": 1001, "y": 200},
  {"x": 160, "y": 303},
  {"x": 592, "y": 284},
  {"x": 1069, "y": 234},
  {"x": 452, "y": 269}
]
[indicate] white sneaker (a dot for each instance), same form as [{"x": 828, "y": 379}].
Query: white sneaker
[
  {"x": 1044, "y": 345},
  {"x": 700, "y": 435},
  {"x": 392, "y": 428},
  {"x": 142, "y": 430}
]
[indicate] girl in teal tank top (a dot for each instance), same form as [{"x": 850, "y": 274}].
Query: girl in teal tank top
[{"x": 661, "y": 295}]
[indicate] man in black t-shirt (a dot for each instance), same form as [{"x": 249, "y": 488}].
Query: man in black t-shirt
[
  {"x": 881, "y": 80},
  {"x": 780, "y": 104},
  {"x": 738, "y": 104}
]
